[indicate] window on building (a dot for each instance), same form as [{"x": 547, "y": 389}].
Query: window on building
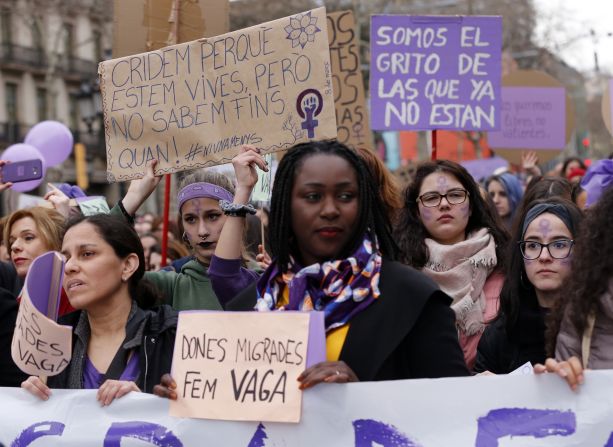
[
  {"x": 68, "y": 40},
  {"x": 37, "y": 38},
  {"x": 6, "y": 23},
  {"x": 41, "y": 103},
  {"x": 10, "y": 90},
  {"x": 74, "y": 112},
  {"x": 12, "y": 117},
  {"x": 97, "y": 36}
]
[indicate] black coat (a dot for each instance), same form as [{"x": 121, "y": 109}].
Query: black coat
[
  {"x": 10, "y": 374},
  {"x": 501, "y": 352},
  {"x": 407, "y": 333},
  {"x": 151, "y": 333}
]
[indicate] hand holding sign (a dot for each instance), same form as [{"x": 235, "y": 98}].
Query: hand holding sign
[{"x": 244, "y": 365}]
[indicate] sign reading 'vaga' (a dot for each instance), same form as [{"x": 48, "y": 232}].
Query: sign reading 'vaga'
[{"x": 194, "y": 104}]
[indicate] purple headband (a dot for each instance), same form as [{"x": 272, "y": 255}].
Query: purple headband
[{"x": 201, "y": 189}]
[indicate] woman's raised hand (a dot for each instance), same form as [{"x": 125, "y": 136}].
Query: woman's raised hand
[
  {"x": 263, "y": 258},
  {"x": 140, "y": 189},
  {"x": 3, "y": 185},
  {"x": 328, "y": 372},
  {"x": 244, "y": 167},
  {"x": 570, "y": 370},
  {"x": 37, "y": 387},
  {"x": 59, "y": 200},
  {"x": 114, "y": 389},
  {"x": 167, "y": 388}
]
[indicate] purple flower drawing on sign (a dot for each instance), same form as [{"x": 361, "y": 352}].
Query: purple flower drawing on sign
[{"x": 302, "y": 29}]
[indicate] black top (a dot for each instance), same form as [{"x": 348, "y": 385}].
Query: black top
[
  {"x": 502, "y": 353},
  {"x": 407, "y": 333},
  {"x": 10, "y": 374},
  {"x": 151, "y": 333}
]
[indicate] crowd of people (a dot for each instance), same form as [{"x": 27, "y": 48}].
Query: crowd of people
[{"x": 448, "y": 276}]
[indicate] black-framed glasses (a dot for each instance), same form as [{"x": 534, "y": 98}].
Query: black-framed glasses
[
  {"x": 558, "y": 249},
  {"x": 454, "y": 197}
]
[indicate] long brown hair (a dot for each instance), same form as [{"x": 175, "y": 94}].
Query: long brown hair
[
  {"x": 410, "y": 232},
  {"x": 592, "y": 270}
]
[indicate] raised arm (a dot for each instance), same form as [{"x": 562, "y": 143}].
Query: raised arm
[{"x": 141, "y": 189}]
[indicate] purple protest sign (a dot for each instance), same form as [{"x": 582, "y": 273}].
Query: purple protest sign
[
  {"x": 532, "y": 118},
  {"x": 435, "y": 72}
]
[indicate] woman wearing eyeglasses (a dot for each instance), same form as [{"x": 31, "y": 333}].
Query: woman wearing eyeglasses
[
  {"x": 539, "y": 263},
  {"x": 448, "y": 231}
]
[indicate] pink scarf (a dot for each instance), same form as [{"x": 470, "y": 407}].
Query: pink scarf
[{"x": 461, "y": 270}]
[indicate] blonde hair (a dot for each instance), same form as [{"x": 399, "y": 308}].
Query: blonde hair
[{"x": 49, "y": 223}]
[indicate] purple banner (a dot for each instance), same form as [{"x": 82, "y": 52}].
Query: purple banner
[
  {"x": 435, "y": 72},
  {"x": 532, "y": 118}
]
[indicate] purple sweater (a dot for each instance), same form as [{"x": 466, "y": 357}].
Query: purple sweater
[{"x": 228, "y": 278}]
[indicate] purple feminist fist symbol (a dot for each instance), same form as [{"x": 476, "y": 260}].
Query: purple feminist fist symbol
[
  {"x": 308, "y": 105},
  {"x": 441, "y": 181},
  {"x": 545, "y": 227}
]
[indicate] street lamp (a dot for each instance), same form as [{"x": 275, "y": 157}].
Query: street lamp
[{"x": 90, "y": 103}]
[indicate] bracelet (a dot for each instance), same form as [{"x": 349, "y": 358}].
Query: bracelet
[{"x": 236, "y": 209}]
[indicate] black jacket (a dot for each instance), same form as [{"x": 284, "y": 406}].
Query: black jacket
[
  {"x": 151, "y": 333},
  {"x": 10, "y": 374},
  {"x": 407, "y": 333},
  {"x": 501, "y": 352}
]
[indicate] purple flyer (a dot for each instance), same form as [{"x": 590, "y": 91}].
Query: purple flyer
[
  {"x": 435, "y": 72},
  {"x": 532, "y": 118}
]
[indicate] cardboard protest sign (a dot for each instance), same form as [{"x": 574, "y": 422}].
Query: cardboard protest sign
[
  {"x": 351, "y": 113},
  {"x": 243, "y": 366},
  {"x": 193, "y": 105},
  {"x": 435, "y": 72},
  {"x": 146, "y": 25},
  {"x": 40, "y": 346},
  {"x": 537, "y": 115}
]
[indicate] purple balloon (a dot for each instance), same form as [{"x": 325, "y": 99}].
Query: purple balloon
[
  {"x": 22, "y": 152},
  {"x": 53, "y": 139}
]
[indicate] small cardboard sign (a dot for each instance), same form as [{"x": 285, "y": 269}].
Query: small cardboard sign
[
  {"x": 93, "y": 205},
  {"x": 532, "y": 118},
  {"x": 40, "y": 346},
  {"x": 193, "y": 105},
  {"x": 351, "y": 112},
  {"x": 435, "y": 72},
  {"x": 607, "y": 106},
  {"x": 243, "y": 366},
  {"x": 263, "y": 188},
  {"x": 145, "y": 25}
]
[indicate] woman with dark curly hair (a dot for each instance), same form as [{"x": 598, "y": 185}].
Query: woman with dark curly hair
[
  {"x": 448, "y": 231},
  {"x": 539, "y": 262},
  {"x": 586, "y": 329}
]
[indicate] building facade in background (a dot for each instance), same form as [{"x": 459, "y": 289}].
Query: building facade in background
[{"x": 49, "y": 54}]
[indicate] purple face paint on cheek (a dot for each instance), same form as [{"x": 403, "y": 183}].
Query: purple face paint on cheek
[
  {"x": 465, "y": 210},
  {"x": 426, "y": 214}
]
